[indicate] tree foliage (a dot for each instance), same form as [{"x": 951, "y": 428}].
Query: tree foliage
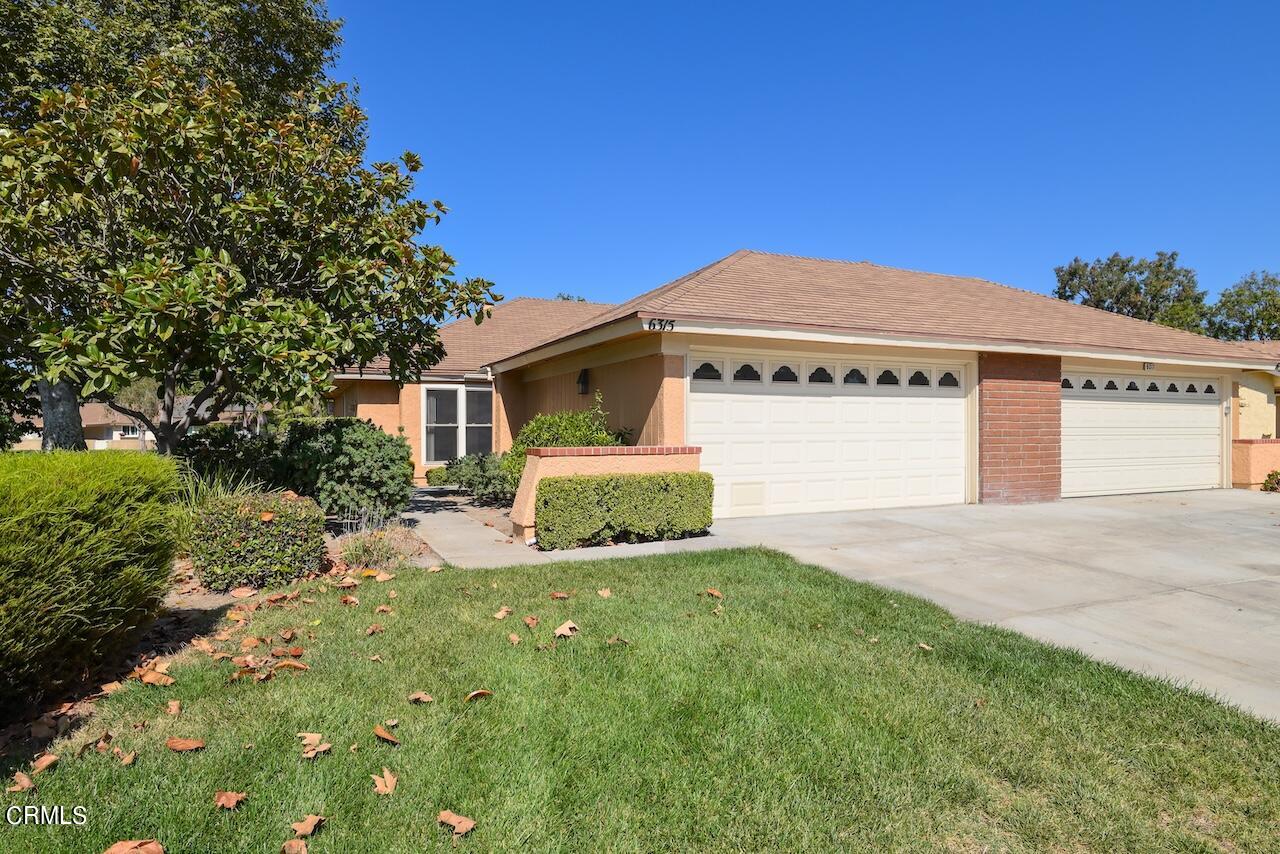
[
  {"x": 1154, "y": 289},
  {"x": 166, "y": 229},
  {"x": 1249, "y": 309}
]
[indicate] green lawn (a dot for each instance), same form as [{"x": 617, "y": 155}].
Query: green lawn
[{"x": 803, "y": 714}]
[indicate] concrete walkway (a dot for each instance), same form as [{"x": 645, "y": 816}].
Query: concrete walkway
[
  {"x": 1184, "y": 585},
  {"x": 464, "y": 541}
]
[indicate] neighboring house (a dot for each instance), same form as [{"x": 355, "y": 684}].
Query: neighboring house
[
  {"x": 449, "y": 412},
  {"x": 104, "y": 428},
  {"x": 814, "y": 385}
]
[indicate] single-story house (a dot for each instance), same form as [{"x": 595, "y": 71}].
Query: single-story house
[
  {"x": 815, "y": 385},
  {"x": 449, "y": 411},
  {"x": 105, "y": 429}
]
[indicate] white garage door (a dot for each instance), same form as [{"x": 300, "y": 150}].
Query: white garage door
[
  {"x": 1139, "y": 434},
  {"x": 806, "y": 435}
]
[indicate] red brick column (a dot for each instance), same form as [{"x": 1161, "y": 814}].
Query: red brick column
[{"x": 1019, "y": 428}]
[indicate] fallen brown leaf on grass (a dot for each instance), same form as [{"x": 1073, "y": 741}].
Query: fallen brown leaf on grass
[
  {"x": 109, "y": 688},
  {"x": 247, "y": 644},
  {"x": 174, "y": 707},
  {"x": 513, "y": 639},
  {"x": 559, "y": 595},
  {"x": 136, "y": 846},
  {"x": 237, "y": 616},
  {"x": 44, "y": 763},
  {"x": 476, "y": 695},
  {"x": 925, "y": 647},
  {"x": 375, "y": 658},
  {"x": 203, "y": 645},
  {"x": 435, "y": 569},
  {"x": 311, "y": 746},
  {"x": 21, "y": 782},
  {"x": 381, "y": 732},
  {"x": 296, "y": 651},
  {"x": 348, "y": 582},
  {"x": 616, "y": 639},
  {"x": 531, "y": 621},
  {"x": 374, "y": 629},
  {"x": 287, "y": 635},
  {"x": 386, "y": 784},
  {"x": 182, "y": 745},
  {"x": 349, "y": 600},
  {"x": 503, "y": 613},
  {"x": 308, "y": 825},
  {"x": 391, "y": 594},
  {"x": 460, "y": 823},
  {"x": 228, "y": 800},
  {"x": 383, "y": 577},
  {"x": 294, "y": 846},
  {"x": 714, "y": 593},
  {"x": 126, "y": 759},
  {"x": 266, "y": 516},
  {"x": 604, "y": 593},
  {"x": 567, "y": 629},
  {"x": 104, "y": 741},
  {"x": 419, "y": 697},
  {"x": 383, "y": 609},
  {"x": 290, "y": 664},
  {"x": 242, "y": 592},
  {"x": 155, "y": 677}
]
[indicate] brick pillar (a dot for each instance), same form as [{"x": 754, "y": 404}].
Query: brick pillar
[{"x": 1019, "y": 428}]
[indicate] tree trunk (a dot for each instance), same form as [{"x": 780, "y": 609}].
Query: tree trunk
[
  {"x": 60, "y": 408},
  {"x": 142, "y": 437}
]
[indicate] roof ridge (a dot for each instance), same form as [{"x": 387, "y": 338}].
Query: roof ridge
[
  {"x": 673, "y": 289},
  {"x": 983, "y": 281}
]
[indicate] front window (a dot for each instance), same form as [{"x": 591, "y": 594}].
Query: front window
[
  {"x": 129, "y": 431},
  {"x": 479, "y": 420},
  {"x": 442, "y": 425}
]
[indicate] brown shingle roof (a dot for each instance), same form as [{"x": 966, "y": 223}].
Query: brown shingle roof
[
  {"x": 764, "y": 289},
  {"x": 1266, "y": 349},
  {"x": 514, "y": 326}
]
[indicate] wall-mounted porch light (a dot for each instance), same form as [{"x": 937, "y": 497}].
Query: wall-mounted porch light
[{"x": 584, "y": 379}]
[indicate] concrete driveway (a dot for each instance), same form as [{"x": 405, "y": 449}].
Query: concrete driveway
[{"x": 1184, "y": 585}]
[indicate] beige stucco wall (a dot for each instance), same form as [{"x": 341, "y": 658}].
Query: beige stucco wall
[
  {"x": 388, "y": 406},
  {"x": 642, "y": 390},
  {"x": 1255, "y": 406},
  {"x": 537, "y": 468}
]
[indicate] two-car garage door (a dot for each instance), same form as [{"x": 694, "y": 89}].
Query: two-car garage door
[
  {"x": 1123, "y": 434},
  {"x": 803, "y": 435}
]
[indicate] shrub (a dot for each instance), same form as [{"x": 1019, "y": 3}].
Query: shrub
[
  {"x": 220, "y": 451},
  {"x": 576, "y": 428},
  {"x": 441, "y": 477},
  {"x": 483, "y": 476},
  {"x": 592, "y": 509},
  {"x": 390, "y": 547},
  {"x": 258, "y": 540},
  {"x": 86, "y": 551},
  {"x": 348, "y": 466},
  {"x": 1272, "y": 482}
]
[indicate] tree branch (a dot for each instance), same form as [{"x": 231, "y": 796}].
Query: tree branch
[{"x": 135, "y": 415}]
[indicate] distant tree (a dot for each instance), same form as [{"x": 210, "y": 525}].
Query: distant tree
[
  {"x": 167, "y": 230},
  {"x": 268, "y": 48},
  {"x": 1155, "y": 289},
  {"x": 141, "y": 395},
  {"x": 567, "y": 297},
  {"x": 1249, "y": 309}
]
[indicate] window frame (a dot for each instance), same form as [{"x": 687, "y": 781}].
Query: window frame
[{"x": 460, "y": 389}]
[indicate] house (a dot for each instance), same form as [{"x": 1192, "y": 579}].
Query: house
[
  {"x": 106, "y": 429},
  {"x": 814, "y": 385},
  {"x": 449, "y": 412}
]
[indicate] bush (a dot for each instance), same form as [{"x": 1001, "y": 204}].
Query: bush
[
  {"x": 441, "y": 477},
  {"x": 198, "y": 488},
  {"x": 390, "y": 547},
  {"x": 576, "y": 428},
  {"x": 593, "y": 509},
  {"x": 483, "y": 476},
  {"x": 86, "y": 551},
  {"x": 349, "y": 466},
  {"x": 1272, "y": 483},
  {"x": 259, "y": 540}
]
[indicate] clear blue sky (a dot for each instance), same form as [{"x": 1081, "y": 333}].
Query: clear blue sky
[{"x": 605, "y": 148}]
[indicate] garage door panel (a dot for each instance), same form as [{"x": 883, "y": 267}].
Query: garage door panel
[
  {"x": 791, "y": 448},
  {"x": 1116, "y": 442}
]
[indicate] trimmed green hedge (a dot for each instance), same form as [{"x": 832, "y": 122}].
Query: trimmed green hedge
[
  {"x": 441, "y": 477},
  {"x": 86, "y": 551},
  {"x": 257, "y": 540},
  {"x": 570, "y": 428},
  {"x": 589, "y": 510}
]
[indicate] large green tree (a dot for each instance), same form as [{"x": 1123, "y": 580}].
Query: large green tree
[
  {"x": 1249, "y": 309},
  {"x": 1156, "y": 289},
  {"x": 167, "y": 229},
  {"x": 268, "y": 48}
]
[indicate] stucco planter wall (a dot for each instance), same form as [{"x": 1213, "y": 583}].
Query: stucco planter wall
[{"x": 1252, "y": 460}]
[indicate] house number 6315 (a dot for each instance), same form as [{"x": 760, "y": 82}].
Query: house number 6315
[{"x": 659, "y": 325}]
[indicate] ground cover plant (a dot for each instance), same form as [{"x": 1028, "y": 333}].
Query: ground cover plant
[{"x": 728, "y": 700}]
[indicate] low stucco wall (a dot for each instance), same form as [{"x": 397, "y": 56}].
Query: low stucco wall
[
  {"x": 557, "y": 462},
  {"x": 1252, "y": 460}
]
